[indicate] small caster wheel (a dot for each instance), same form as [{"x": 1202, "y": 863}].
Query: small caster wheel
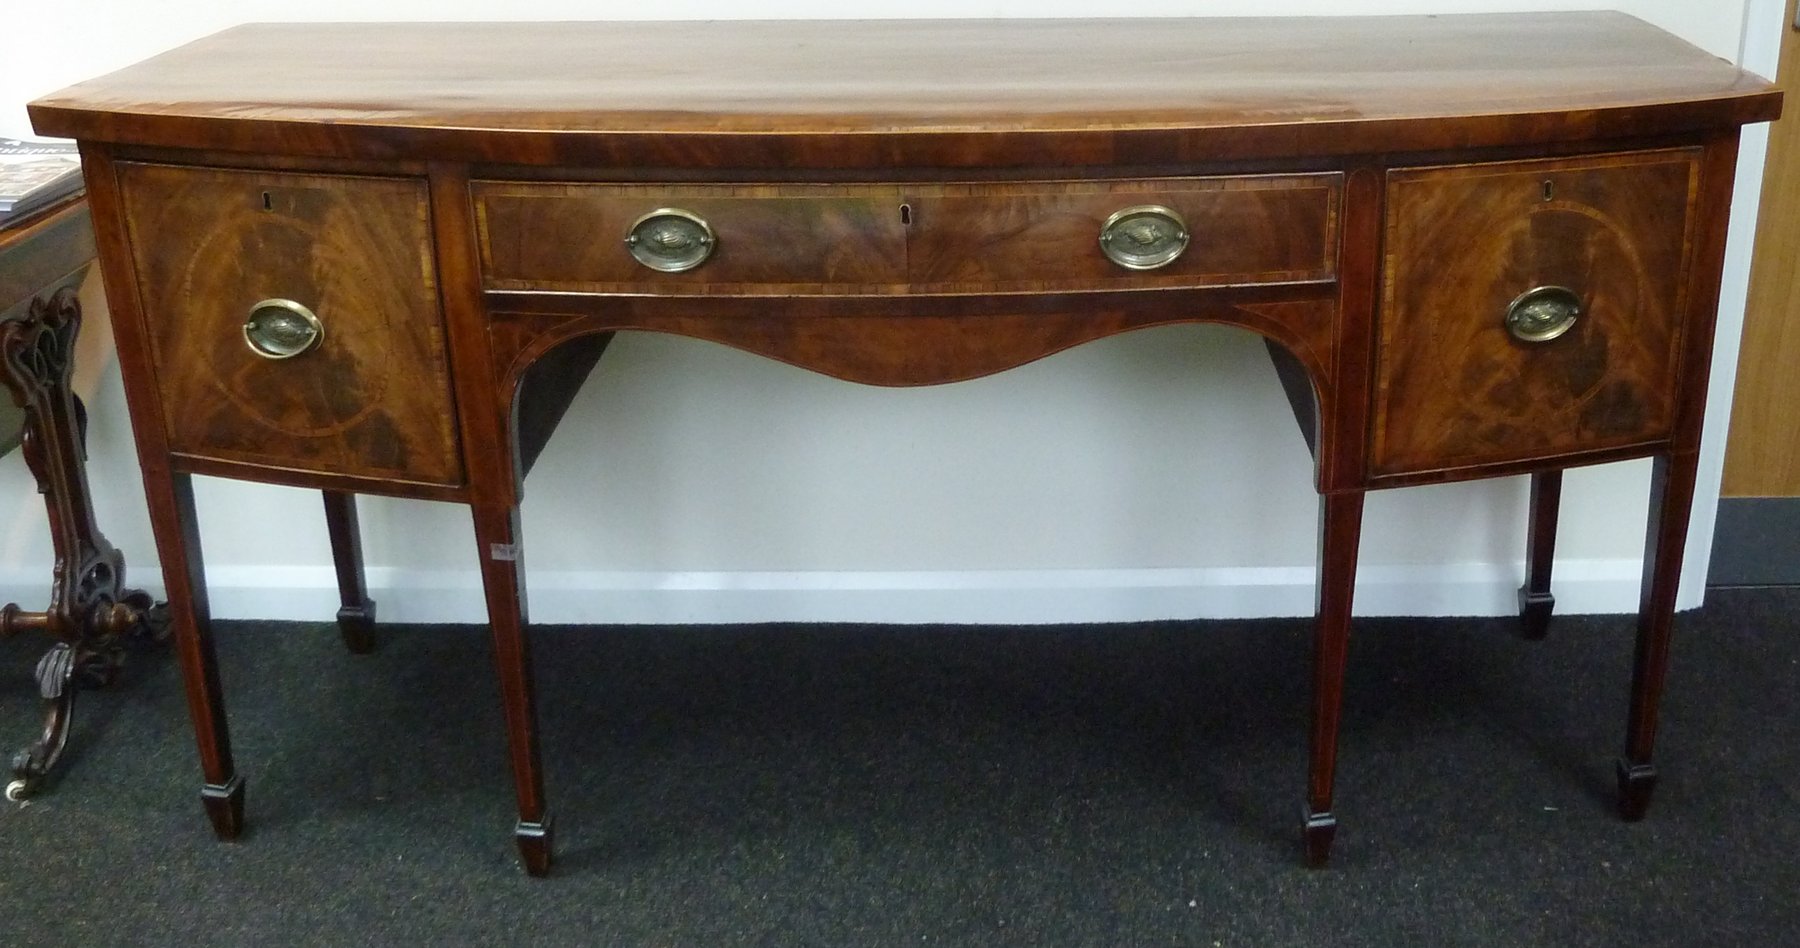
[{"x": 17, "y": 791}]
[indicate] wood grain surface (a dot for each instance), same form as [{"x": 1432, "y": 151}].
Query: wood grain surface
[
  {"x": 910, "y": 342},
  {"x": 41, "y": 251},
  {"x": 1453, "y": 388},
  {"x": 771, "y": 239},
  {"x": 887, "y": 238},
  {"x": 947, "y": 93},
  {"x": 1045, "y": 236},
  {"x": 915, "y": 202},
  {"x": 373, "y": 399}
]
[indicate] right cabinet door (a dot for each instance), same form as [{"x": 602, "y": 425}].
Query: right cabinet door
[{"x": 1531, "y": 309}]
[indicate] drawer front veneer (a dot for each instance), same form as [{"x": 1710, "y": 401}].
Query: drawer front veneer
[
  {"x": 371, "y": 398},
  {"x": 768, "y": 239},
  {"x": 1455, "y": 387},
  {"x": 1046, "y": 236},
  {"x": 890, "y": 239}
]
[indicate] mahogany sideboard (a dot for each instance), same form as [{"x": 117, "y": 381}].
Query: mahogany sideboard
[{"x": 379, "y": 258}]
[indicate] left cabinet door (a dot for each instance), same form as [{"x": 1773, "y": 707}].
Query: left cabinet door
[{"x": 344, "y": 371}]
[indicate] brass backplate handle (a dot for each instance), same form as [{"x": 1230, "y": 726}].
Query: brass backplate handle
[
  {"x": 282, "y": 329},
  {"x": 1543, "y": 314},
  {"x": 670, "y": 240},
  {"x": 1144, "y": 237}
]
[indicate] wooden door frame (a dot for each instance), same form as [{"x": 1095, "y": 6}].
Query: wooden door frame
[{"x": 1756, "y": 538}]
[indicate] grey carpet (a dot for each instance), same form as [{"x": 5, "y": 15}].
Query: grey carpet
[{"x": 849, "y": 786}]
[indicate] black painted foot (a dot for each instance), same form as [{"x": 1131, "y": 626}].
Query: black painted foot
[
  {"x": 357, "y": 625},
  {"x": 1636, "y": 783},
  {"x": 1319, "y": 829},
  {"x": 1534, "y": 614},
  {"x": 225, "y": 806},
  {"x": 534, "y": 841}
]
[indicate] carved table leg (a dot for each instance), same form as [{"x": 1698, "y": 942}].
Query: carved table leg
[
  {"x": 1535, "y": 601},
  {"x": 91, "y": 614},
  {"x": 93, "y": 661},
  {"x": 1340, "y": 532},
  {"x": 356, "y": 616},
  {"x": 502, "y": 576},
  {"x": 56, "y": 683},
  {"x": 1671, "y": 501}
]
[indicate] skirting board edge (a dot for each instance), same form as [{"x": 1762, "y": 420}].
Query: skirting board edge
[{"x": 1002, "y": 597}]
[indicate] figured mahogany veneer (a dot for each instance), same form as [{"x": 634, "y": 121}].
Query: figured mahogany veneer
[
  {"x": 883, "y": 95},
  {"x": 1454, "y": 389},
  {"x": 924, "y": 340},
  {"x": 849, "y": 239},
  {"x": 773, "y": 239},
  {"x": 1044, "y": 237},
  {"x": 910, "y": 203},
  {"x": 372, "y": 400}
]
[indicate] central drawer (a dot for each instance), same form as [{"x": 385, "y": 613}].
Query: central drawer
[{"x": 801, "y": 239}]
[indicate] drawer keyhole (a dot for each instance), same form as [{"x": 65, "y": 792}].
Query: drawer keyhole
[{"x": 906, "y": 215}]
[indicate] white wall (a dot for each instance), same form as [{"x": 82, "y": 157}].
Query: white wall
[{"x": 1151, "y": 475}]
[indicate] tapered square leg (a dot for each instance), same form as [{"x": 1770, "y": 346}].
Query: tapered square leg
[
  {"x": 502, "y": 571},
  {"x": 176, "y": 525},
  {"x": 356, "y": 617},
  {"x": 1671, "y": 501},
  {"x": 1340, "y": 533},
  {"x": 1535, "y": 600}
]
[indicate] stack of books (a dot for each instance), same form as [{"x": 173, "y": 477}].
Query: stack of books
[{"x": 35, "y": 175}]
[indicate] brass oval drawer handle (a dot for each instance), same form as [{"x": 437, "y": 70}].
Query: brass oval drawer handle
[
  {"x": 670, "y": 240},
  {"x": 282, "y": 329},
  {"x": 1144, "y": 237},
  {"x": 1543, "y": 314}
]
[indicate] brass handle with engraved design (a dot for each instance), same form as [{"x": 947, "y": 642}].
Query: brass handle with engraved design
[
  {"x": 670, "y": 240},
  {"x": 1543, "y": 314},
  {"x": 282, "y": 329},
  {"x": 1144, "y": 237}
]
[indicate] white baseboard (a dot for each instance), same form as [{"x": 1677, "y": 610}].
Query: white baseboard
[{"x": 997, "y": 597}]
